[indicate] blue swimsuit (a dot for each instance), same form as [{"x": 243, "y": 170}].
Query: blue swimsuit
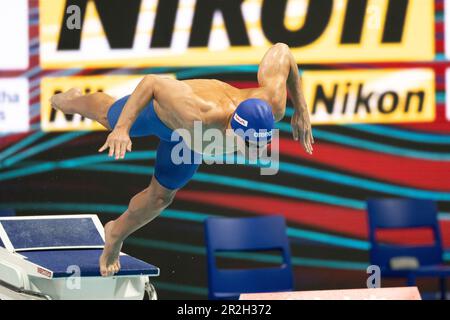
[{"x": 168, "y": 174}]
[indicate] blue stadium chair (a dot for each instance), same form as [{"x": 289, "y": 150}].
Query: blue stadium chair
[
  {"x": 7, "y": 212},
  {"x": 247, "y": 234},
  {"x": 407, "y": 214}
]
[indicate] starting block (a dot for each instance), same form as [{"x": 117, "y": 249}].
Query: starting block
[{"x": 56, "y": 257}]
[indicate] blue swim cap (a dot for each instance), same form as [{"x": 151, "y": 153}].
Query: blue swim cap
[{"x": 253, "y": 120}]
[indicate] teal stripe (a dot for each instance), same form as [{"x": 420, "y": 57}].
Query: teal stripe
[
  {"x": 195, "y": 72},
  {"x": 185, "y": 215},
  {"x": 330, "y": 264},
  {"x": 99, "y": 208},
  {"x": 42, "y": 147},
  {"x": 21, "y": 144},
  {"x": 289, "y": 111},
  {"x": 440, "y": 57},
  {"x": 242, "y": 184},
  {"x": 328, "y": 239},
  {"x": 447, "y": 256},
  {"x": 279, "y": 190},
  {"x": 285, "y": 167},
  {"x": 326, "y": 176},
  {"x": 370, "y": 145},
  {"x": 71, "y": 163},
  {"x": 103, "y": 157},
  {"x": 66, "y": 207},
  {"x": 252, "y": 256},
  {"x": 237, "y": 182},
  {"x": 291, "y": 232},
  {"x": 165, "y": 245},
  {"x": 155, "y": 70},
  {"x": 402, "y": 134},
  {"x": 363, "y": 183},
  {"x": 440, "y": 97},
  {"x": 40, "y": 168},
  {"x": 35, "y": 126},
  {"x": 111, "y": 167},
  {"x": 444, "y": 216}
]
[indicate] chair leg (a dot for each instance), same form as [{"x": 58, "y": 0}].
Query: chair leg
[{"x": 443, "y": 288}]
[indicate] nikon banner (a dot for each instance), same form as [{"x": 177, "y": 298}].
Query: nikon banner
[
  {"x": 370, "y": 96},
  {"x": 52, "y": 120},
  {"x": 87, "y": 33},
  {"x": 334, "y": 97}
]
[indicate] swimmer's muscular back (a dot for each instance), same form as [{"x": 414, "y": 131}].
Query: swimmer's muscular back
[
  {"x": 180, "y": 103},
  {"x": 213, "y": 101}
]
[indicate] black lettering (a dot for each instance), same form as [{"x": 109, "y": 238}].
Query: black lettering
[
  {"x": 88, "y": 90},
  {"x": 119, "y": 22},
  {"x": 361, "y": 100},
  {"x": 395, "y": 21},
  {"x": 317, "y": 19},
  {"x": 381, "y": 102},
  {"x": 70, "y": 39},
  {"x": 53, "y": 112},
  {"x": 420, "y": 95},
  {"x": 164, "y": 24},
  {"x": 232, "y": 16},
  {"x": 320, "y": 96},
  {"x": 354, "y": 21},
  {"x": 344, "y": 105}
]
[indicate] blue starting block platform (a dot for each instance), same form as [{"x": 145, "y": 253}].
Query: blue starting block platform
[{"x": 56, "y": 257}]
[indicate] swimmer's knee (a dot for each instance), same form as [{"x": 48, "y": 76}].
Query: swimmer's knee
[
  {"x": 149, "y": 203},
  {"x": 162, "y": 200},
  {"x": 160, "y": 197}
]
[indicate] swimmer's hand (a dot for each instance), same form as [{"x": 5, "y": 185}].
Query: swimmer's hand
[
  {"x": 301, "y": 130},
  {"x": 118, "y": 142}
]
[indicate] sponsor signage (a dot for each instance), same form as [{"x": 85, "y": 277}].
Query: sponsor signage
[
  {"x": 14, "y": 101},
  {"x": 333, "y": 97},
  {"x": 370, "y": 96},
  {"x": 14, "y": 35},
  {"x": 211, "y": 32},
  {"x": 52, "y": 120}
]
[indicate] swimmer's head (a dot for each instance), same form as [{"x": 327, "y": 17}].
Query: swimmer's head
[{"x": 253, "y": 121}]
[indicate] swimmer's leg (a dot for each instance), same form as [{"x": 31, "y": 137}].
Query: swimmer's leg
[
  {"x": 93, "y": 106},
  {"x": 147, "y": 205},
  {"x": 143, "y": 208}
]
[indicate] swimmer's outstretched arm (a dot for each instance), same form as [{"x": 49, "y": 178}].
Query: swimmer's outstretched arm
[
  {"x": 119, "y": 140},
  {"x": 278, "y": 70}
]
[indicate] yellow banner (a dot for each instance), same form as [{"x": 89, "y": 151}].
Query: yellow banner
[
  {"x": 52, "y": 120},
  {"x": 370, "y": 96},
  {"x": 150, "y": 33},
  {"x": 333, "y": 97}
]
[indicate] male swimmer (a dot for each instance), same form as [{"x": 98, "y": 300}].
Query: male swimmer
[{"x": 160, "y": 105}]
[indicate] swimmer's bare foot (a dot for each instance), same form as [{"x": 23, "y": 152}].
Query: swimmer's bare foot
[
  {"x": 109, "y": 260},
  {"x": 58, "y": 101}
]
